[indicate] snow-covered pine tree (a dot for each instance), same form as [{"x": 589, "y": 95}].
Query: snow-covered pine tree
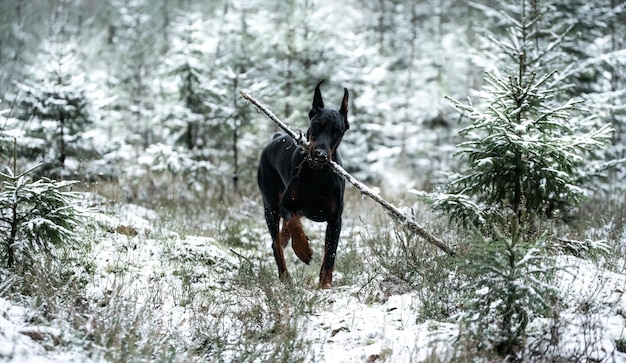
[
  {"x": 53, "y": 103},
  {"x": 230, "y": 117},
  {"x": 597, "y": 59},
  {"x": 187, "y": 67},
  {"x": 523, "y": 149},
  {"x": 134, "y": 44},
  {"x": 206, "y": 66},
  {"x": 409, "y": 60},
  {"x": 35, "y": 215}
]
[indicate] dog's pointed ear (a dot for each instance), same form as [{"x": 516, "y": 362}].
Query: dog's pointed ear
[
  {"x": 318, "y": 103},
  {"x": 344, "y": 107}
]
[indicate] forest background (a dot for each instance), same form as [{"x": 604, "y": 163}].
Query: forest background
[
  {"x": 153, "y": 87},
  {"x": 139, "y": 101}
]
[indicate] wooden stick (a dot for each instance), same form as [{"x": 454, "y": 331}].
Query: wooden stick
[
  {"x": 300, "y": 139},
  {"x": 403, "y": 218}
]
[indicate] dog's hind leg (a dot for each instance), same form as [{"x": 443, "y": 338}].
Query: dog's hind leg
[{"x": 271, "y": 191}]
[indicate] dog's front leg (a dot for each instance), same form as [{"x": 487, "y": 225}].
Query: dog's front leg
[
  {"x": 333, "y": 229},
  {"x": 292, "y": 227}
]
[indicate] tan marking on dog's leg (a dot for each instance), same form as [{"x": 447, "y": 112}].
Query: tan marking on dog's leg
[
  {"x": 284, "y": 235},
  {"x": 299, "y": 240},
  {"x": 326, "y": 278},
  {"x": 326, "y": 275}
]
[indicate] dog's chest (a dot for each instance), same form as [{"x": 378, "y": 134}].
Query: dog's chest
[
  {"x": 319, "y": 210},
  {"x": 317, "y": 200}
]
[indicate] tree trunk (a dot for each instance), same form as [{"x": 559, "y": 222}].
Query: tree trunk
[
  {"x": 235, "y": 137},
  {"x": 12, "y": 236},
  {"x": 62, "y": 153}
]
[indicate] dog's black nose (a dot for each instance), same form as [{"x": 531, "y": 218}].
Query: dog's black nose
[{"x": 320, "y": 154}]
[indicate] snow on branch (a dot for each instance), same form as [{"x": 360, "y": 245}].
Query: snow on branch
[{"x": 404, "y": 218}]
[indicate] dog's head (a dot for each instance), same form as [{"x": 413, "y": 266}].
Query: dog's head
[{"x": 326, "y": 129}]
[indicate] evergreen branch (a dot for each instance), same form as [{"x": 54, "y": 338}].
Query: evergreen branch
[
  {"x": 11, "y": 174},
  {"x": 578, "y": 67},
  {"x": 529, "y": 87},
  {"x": 545, "y": 78},
  {"x": 555, "y": 43},
  {"x": 403, "y": 218}
]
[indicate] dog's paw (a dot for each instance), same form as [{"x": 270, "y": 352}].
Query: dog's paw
[
  {"x": 326, "y": 286},
  {"x": 286, "y": 278},
  {"x": 302, "y": 248},
  {"x": 304, "y": 253},
  {"x": 326, "y": 279}
]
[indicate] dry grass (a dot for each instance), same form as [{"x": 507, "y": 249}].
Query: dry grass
[{"x": 193, "y": 306}]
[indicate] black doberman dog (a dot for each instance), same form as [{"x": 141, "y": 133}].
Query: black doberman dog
[{"x": 295, "y": 183}]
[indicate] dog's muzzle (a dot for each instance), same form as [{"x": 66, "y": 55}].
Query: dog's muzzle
[{"x": 318, "y": 158}]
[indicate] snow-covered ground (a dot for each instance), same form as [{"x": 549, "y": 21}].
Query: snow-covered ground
[{"x": 141, "y": 261}]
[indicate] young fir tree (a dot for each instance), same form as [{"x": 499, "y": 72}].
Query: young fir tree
[
  {"x": 523, "y": 154},
  {"x": 35, "y": 216},
  {"x": 188, "y": 63},
  {"x": 523, "y": 151},
  {"x": 54, "y": 104},
  {"x": 582, "y": 40},
  {"x": 508, "y": 285}
]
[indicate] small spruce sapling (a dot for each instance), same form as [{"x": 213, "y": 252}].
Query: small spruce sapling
[
  {"x": 524, "y": 151},
  {"x": 523, "y": 154},
  {"x": 523, "y": 157},
  {"x": 35, "y": 216}
]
